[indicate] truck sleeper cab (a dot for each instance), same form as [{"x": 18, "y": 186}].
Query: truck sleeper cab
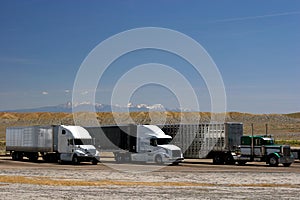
[
  {"x": 155, "y": 146},
  {"x": 75, "y": 144}
]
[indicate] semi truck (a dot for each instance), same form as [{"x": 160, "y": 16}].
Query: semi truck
[
  {"x": 225, "y": 144},
  {"x": 263, "y": 149},
  {"x": 136, "y": 143},
  {"x": 55, "y": 143}
]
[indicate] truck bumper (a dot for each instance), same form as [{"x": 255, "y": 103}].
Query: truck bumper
[
  {"x": 88, "y": 158},
  {"x": 173, "y": 160},
  {"x": 286, "y": 160}
]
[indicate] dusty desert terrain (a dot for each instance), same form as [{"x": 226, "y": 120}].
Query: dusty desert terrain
[{"x": 194, "y": 179}]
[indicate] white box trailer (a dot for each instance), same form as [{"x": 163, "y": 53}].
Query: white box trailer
[
  {"x": 54, "y": 143},
  {"x": 206, "y": 140},
  {"x": 31, "y": 139}
]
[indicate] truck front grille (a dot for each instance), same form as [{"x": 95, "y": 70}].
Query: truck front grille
[
  {"x": 176, "y": 153},
  {"x": 286, "y": 150}
]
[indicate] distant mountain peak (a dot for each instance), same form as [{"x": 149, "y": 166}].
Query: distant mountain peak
[{"x": 98, "y": 107}]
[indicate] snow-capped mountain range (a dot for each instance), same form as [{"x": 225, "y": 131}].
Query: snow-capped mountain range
[{"x": 87, "y": 106}]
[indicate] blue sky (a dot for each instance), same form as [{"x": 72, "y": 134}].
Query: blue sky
[{"x": 255, "y": 45}]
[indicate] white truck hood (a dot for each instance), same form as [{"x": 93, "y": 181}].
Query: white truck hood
[
  {"x": 86, "y": 150},
  {"x": 169, "y": 147},
  {"x": 88, "y": 147}
]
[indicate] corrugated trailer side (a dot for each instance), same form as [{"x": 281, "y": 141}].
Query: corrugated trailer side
[
  {"x": 30, "y": 139},
  {"x": 197, "y": 140},
  {"x": 206, "y": 140}
]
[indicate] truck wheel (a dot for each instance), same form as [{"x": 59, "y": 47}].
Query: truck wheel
[
  {"x": 94, "y": 161},
  {"x": 17, "y": 156},
  {"x": 158, "y": 160},
  {"x": 33, "y": 157},
  {"x": 229, "y": 160},
  {"x": 127, "y": 158},
  {"x": 13, "y": 156},
  {"x": 174, "y": 164},
  {"x": 273, "y": 161},
  {"x": 287, "y": 164},
  {"x": 46, "y": 158},
  {"x": 218, "y": 160},
  {"x": 118, "y": 158},
  {"x": 75, "y": 160},
  {"x": 242, "y": 163},
  {"x": 60, "y": 162}
]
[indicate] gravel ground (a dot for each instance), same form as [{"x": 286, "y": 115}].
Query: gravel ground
[{"x": 163, "y": 184}]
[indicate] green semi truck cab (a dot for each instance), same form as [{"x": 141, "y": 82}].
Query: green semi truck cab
[{"x": 263, "y": 149}]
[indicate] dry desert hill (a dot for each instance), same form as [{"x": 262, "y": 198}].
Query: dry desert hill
[{"x": 282, "y": 126}]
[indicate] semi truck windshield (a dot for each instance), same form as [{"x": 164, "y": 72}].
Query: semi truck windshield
[
  {"x": 82, "y": 141},
  {"x": 159, "y": 141}
]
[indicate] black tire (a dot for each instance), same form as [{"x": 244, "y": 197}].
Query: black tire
[
  {"x": 241, "y": 162},
  {"x": 273, "y": 161},
  {"x": 47, "y": 158},
  {"x": 127, "y": 158},
  {"x": 17, "y": 156},
  {"x": 119, "y": 158},
  {"x": 287, "y": 164},
  {"x": 218, "y": 160},
  {"x": 175, "y": 164},
  {"x": 94, "y": 161},
  {"x": 158, "y": 160},
  {"x": 229, "y": 160},
  {"x": 75, "y": 160},
  {"x": 33, "y": 157},
  {"x": 13, "y": 156}
]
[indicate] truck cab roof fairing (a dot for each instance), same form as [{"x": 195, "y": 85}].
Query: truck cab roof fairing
[
  {"x": 152, "y": 130},
  {"x": 78, "y": 132}
]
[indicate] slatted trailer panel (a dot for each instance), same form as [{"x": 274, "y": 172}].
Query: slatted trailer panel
[{"x": 198, "y": 140}]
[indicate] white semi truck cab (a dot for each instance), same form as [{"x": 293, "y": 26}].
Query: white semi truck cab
[
  {"x": 76, "y": 144},
  {"x": 154, "y": 146}
]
